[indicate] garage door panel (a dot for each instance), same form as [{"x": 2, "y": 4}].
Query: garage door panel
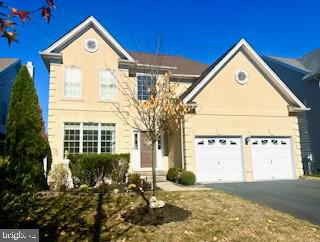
[
  {"x": 218, "y": 159},
  {"x": 271, "y": 158}
]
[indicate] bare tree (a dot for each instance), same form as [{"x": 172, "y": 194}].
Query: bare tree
[{"x": 161, "y": 112}]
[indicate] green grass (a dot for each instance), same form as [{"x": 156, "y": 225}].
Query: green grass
[{"x": 191, "y": 216}]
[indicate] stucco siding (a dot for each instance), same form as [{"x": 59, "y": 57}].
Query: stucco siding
[{"x": 226, "y": 108}]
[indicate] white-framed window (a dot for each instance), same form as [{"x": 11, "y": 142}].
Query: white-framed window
[
  {"x": 89, "y": 137},
  {"x": 72, "y": 82},
  {"x": 108, "y": 138},
  {"x": 71, "y": 142},
  {"x": 144, "y": 85},
  {"x": 108, "y": 85}
]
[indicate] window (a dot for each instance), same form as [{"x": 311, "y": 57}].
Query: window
[
  {"x": 136, "y": 144},
  {"x": 72, "y": 82},
  {"x": 91, "y": 45},
  {"x": 144, "y": 84},
  {"x": 108, "y": 88},
  {"x": 108, "y": 137},
  {"x": 159, "y": 144},
  {"x": 90, "y": 138},
  {"x": 211, "y": 142},
  {"x": 71, "y": 142},
  {"x": 223, "y": 141}
]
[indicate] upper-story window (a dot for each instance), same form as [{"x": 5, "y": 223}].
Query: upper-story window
[
  {"x": 108, "y": 85},
  {"x": 72, "y": 82},
  {"x": 144, "y": 83}
]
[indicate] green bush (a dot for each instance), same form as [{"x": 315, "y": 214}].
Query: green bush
[
  {"x": 173, "y": 174},
  {"x": 187, "y": 178},
  {"x": 91, "y": 168}
]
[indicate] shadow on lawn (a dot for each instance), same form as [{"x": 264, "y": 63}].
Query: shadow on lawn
[{"x": 144, "y": 216}]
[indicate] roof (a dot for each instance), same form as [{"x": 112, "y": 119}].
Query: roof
[
  {"x": 208, "y": 74},
  {"x": 309, "y": 63},
  {"x": 6, "y": 62},
  {"x": 183, "y": 65}
]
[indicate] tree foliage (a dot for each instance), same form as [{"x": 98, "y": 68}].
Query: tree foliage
[
  {"x": 26, "y": 142},
  {"x": 8, "y": 16}
]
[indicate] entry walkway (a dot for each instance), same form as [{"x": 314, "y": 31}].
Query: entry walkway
[{"x": 173, "y": 187}]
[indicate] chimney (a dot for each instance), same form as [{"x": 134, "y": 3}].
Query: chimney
[{"x": 30, "y": 68}]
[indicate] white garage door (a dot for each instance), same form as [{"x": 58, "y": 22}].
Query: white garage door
[
  {"x": 271, "y": 158},
  {"x": 218, "y": 159}
]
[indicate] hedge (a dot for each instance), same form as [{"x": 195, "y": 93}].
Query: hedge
[
  {"x": 90, "y": 168},
  {"x": 187, "y": 178}
]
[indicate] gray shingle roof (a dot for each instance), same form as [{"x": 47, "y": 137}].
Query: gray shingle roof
[
  {"x": 291, "y": 62},
  {"x": 184, "y": 66},
  {"x": 6, "y": 62}
]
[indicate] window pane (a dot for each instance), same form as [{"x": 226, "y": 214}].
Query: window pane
[
  {"x": 71, "y": 141},
  {"x": 90, "y": 138},
  {"x": 72, "y": 82},
  {"x": 144, "y": 84},
  {"x": 108, "y": 135},
  {"x": 108, "y": 86}
]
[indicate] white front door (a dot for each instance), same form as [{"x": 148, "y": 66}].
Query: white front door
[
  {"x": 218, "y": 159},
  {"x": 142, "y": 153},
  {"x": 271, "y": 158}
]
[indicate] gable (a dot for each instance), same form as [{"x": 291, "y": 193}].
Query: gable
[
  {"x": 76, "y": 54},
  {"x": 223, "y": 94},
  {"x": 216, "y": 67}
]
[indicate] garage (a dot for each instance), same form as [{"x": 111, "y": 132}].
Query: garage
[
  {"x": 218, "y": 159},
  {"x": 271, "y": 158}
]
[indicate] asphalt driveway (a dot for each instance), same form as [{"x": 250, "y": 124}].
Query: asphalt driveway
[{"x": 300, "y": 198}]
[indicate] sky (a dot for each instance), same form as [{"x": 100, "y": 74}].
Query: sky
[{"x": 200, "y": 30}]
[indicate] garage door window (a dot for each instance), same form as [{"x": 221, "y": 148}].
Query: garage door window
[{"x": 211, "y": 142}]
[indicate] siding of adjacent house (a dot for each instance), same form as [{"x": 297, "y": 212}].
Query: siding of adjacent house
[
  {"x": 226, "y": 108},
  {"x": 309, "y": 93}
]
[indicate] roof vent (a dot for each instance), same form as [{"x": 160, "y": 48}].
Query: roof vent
[
  {"x": 241, "y": 77},
  {"x": 91, "y": 45}
]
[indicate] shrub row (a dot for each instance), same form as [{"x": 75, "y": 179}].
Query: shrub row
[
  {"x": 90, "y": 168},
  {"x": 181, "y": 176}
]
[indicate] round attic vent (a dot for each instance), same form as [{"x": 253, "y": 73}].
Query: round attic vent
[
  {"x": 241, "y": 76},
  {"x": 91, "y": 45}
]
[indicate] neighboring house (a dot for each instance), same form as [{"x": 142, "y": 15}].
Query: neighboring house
[
  {"x": 9, "y": 68},
  {"x": 243, "y": 127},
  {"x": 302, "y": 76}
]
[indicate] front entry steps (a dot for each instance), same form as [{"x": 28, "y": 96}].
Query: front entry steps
[{"x": 161, "y": 175}]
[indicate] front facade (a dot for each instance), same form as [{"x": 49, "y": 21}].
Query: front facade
[{"x": 243, "y": 126}]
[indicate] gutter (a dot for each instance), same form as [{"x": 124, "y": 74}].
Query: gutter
[{"x": 293, "y": 109}]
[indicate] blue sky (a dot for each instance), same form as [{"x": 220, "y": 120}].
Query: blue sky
[{"x": 201, "y": 30}]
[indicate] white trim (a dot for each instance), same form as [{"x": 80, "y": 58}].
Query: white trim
[
  {"x": 249, "y": 50},
  {"x": 79, "y": 28}
]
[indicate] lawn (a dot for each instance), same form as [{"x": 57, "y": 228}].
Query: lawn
[{"x": 190, "y": 216}]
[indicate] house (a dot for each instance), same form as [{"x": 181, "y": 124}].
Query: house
[
  {"x": 9, "y": 68},
  {"x": 244, "y": 125},
  {"x": 302, "y": 76}
]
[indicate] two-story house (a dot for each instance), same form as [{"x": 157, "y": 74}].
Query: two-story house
[{"x": 244, "y": 126}]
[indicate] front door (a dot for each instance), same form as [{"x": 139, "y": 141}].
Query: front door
[
  {"x": 145, "y": 151},
  {"x": 142, "y": 152}
]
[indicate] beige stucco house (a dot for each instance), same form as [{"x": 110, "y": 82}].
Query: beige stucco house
[{"x": 243, "y": 126}]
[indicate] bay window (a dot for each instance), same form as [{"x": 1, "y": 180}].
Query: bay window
[{"x": 94, "y": 138}]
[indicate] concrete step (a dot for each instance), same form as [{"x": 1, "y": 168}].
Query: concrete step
[{"x": 160, "y": 175}]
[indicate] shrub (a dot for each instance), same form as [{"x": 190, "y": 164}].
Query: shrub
[
  {"x": 91, "y": 168},
  {"x": 58, "y": 177},
  {"x": 26, "y": 143},
  {"x": 187, "y": 178},
  {"x": 83, "y": 187},
  {"x": 173, "y": 174}
]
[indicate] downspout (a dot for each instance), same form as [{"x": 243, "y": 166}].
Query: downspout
[{"x": 182, "y": 143}]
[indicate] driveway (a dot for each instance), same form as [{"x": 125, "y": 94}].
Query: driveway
[{"x": 300, "y": 198}]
